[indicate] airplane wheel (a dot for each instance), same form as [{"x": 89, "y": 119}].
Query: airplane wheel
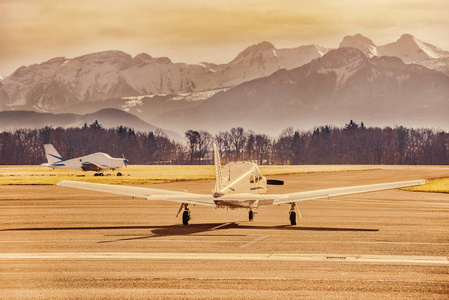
[
  {"x": 251, "y": 215},
  {"x": 119, "y": 174},
  {"x": 185, "y": 217},
  {"x": 293, "y": 218}
]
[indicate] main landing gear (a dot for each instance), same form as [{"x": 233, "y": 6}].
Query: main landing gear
[
  {"x": 185, "y": 213},
  {"x": 293, "y": 213}
]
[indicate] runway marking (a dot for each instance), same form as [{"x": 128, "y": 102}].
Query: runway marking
[
  {"x": 440, "y": 260},
  {"x": 250, "y": 243},
  {"x": 259, "y": 239}
]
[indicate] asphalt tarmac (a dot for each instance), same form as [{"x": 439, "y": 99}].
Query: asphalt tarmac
[{"x": 62, "y": 243}]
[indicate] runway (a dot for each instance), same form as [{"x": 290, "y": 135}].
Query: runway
[
  {"x": 437, "y": 260},
  {"x": 63, "y": 243}
]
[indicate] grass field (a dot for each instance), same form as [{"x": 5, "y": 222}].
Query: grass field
[
  {"x": 440, "y": 185},
  {"x": 142, "y": 174}
]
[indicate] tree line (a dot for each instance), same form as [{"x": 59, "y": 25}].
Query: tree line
[{"x": 351, "y": 144}]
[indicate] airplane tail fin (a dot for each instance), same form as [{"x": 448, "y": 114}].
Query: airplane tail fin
[
  {"x": 51, "y": 154},
  {"x": 218, "y": 172}
]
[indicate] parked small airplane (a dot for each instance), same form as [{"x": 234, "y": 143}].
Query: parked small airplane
[
  {"x": 97, "y": 162},
  {"x": 237, "y": 185}
]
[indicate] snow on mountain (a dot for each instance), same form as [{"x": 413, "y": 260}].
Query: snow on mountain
[
  {"x": 360, "y": 42},
  {"x": 410, "y": 49},
  {"x": 343, "y": 84},
  {"x": 264, "y": 59},
  {"x": 136, "y": 101},
  {"x": 437, "y": 64},
  {"x": 343, "y": 63},
  {"x": 198, "y": 96},
  {"x": 62, "y": 82}
]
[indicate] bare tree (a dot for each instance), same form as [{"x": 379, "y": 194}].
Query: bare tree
[
  {"x": 204, "y": 143},
  {"x": 193, "y": 138},
  {"x": 238, "y": 139},
  {"x": 262, "y": 146},
  {"x": 223, "y": 140},
  {"x": 283, "y": 146}
]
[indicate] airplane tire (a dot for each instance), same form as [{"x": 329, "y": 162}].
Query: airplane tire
[
  {"x": 119, "y": 174},
  {"x": 251, "y": 215},
  {"x": 185, "y": 217},
  {"x": 293, "y": 218}
]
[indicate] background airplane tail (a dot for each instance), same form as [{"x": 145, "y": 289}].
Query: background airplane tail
[
  {"x": 218, "y": 172},
  {"x": 51, "y": 154}
]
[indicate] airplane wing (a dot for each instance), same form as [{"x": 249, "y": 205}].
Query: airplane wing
[
  {"x": 89, "y": 166},
  {"x": 207, "y": 200},
  {"x": 141, "y": 192},
  {"x": 334, "y": 192}
]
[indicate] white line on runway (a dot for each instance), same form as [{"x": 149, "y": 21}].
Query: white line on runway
[
  {"x": 259, "y": 239},
  {"x": 250, "y": 243},
  {"x": 440, "y": 260}
]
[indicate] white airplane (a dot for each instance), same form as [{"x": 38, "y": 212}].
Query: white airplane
[
  {"x": 237, "y": 185},
  {"x": 97, "y": 162}
]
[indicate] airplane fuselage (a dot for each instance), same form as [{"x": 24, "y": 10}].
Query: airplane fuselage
[{"x": 93, "y": 162}]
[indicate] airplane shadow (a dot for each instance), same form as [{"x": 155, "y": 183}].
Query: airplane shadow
[{"x": 204, "y": 229}]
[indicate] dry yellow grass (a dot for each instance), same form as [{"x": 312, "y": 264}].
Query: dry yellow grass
[
  {"x": 143, "y": 174},
  {"x": 440, "y": 185}
]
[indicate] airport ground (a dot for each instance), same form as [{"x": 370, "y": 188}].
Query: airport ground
[{"x": 62, "y": 243}]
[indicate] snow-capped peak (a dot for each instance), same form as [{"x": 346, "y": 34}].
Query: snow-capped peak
[
  {"x": 344, "y": 62},
  {"x": 257, "y": 49},
  {"x": 360, "y": 42},
  {"x": 410, "y": 49}
]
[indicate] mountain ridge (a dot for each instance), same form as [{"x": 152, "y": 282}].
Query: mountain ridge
[
  {"x": 344, "y": 84},
  {"x": 13, "y": 120},
  {"x": 61, "y": 82},
  {"x": 262, "y": 87}
]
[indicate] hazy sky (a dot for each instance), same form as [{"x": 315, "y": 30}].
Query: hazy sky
[{"x": 192, "y": 31}]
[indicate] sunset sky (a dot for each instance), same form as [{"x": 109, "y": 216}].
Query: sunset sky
[{"x": 33, "y": 31}]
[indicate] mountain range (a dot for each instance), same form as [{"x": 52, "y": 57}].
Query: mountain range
[
  {"x": 59, "y": 82},
  {"x": 404, "y": 82},
  {"x": 344, "y": 84}
]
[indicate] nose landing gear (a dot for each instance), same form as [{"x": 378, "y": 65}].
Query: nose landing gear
[{"x": 251, "y": 215}]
